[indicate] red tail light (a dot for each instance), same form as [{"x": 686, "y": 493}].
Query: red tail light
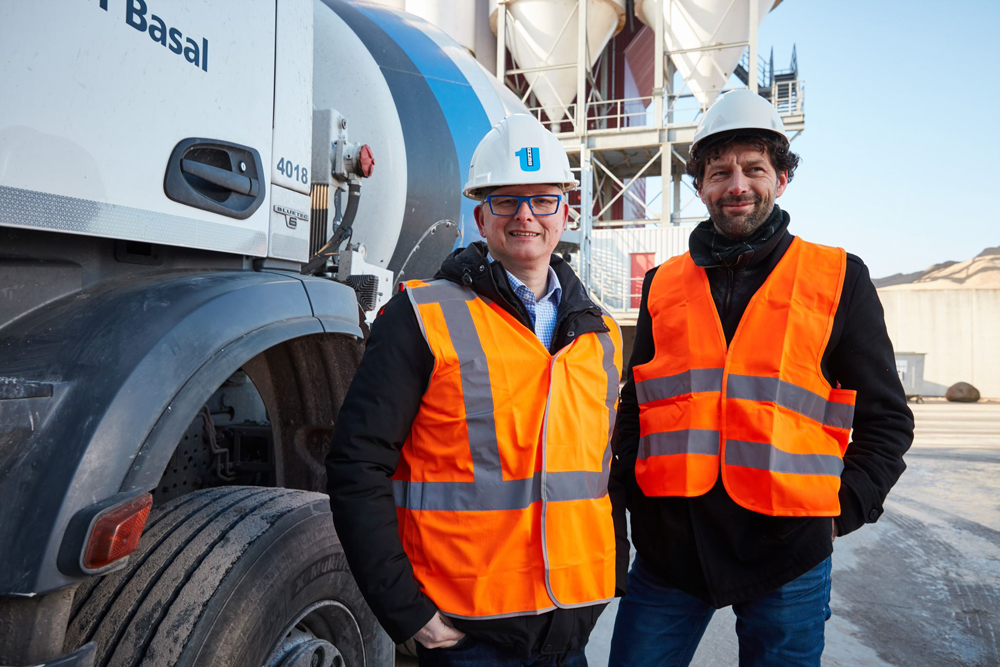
[{"x": 116, "y": 532}]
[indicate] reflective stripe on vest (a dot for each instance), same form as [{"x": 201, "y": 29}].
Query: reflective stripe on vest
[
  {"x": 464, "y": 518},
  {"x": 476, "y": 389},
  {"x": 690, "y": 381},
  {"x": 759, "y": 409}
]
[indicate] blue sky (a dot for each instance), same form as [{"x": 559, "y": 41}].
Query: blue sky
[{"x": 900, "y": 152}]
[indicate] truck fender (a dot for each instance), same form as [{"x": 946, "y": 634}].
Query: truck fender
[{"x": 94, "y": 387}]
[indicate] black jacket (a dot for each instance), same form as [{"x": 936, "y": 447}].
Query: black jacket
[
  {"x": 375, "y": 420},
  {"x": 709, "y": 546}
]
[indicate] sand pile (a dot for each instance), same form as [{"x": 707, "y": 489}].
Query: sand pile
[{"x": 980, "y": 272}]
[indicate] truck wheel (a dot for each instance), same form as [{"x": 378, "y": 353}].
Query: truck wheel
[{"x": 232, "y": 576}]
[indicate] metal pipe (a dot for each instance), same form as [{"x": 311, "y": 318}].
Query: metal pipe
[
  {"x": 586, "y": 211},
  {"x": 671, "y": 99},
  {"x": 752, "y": 65},
  {"x": 583, "y": 64},
  {"x": 540, "y": 68},
  {"x": 666, "y": 160},
  {"x": 501, "y": 39},
  {"x": 658, "y": 78},
  {"x": 677, "y": 197},
  {"x": 710, "y": 47}
]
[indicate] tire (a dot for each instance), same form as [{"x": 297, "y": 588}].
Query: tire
[{"x": 240, "y": 576}]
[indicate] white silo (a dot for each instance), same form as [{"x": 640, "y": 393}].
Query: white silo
[
  {"x": 692, "y": 27},
  {"x": 456, "y": 19},
  {"x": 466, "y": 22},
  {"x": 545, "y": 33}
]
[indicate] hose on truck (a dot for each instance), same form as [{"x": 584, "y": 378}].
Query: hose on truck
[{"x": 340, "y": 234}]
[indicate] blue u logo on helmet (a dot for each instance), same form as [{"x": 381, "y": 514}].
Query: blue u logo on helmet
[{"x": 529, "y": 159}]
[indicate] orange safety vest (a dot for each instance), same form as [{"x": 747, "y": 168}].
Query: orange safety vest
[
  {"x": 502, "y": 487},
  {"x": 759, "y": 409}
]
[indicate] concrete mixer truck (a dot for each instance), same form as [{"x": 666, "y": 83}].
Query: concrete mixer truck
[{"x": 202, "y": 203}]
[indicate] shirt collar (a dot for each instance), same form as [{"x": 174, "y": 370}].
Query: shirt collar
[{"x": 553, "y": 288}]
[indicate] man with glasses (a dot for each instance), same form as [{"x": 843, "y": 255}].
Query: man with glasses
[{"x": 468, "y": 474}]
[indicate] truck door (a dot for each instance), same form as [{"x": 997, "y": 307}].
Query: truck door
[{"x": 146, "y": 120}]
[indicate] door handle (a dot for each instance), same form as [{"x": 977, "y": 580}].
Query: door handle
[
  {"x": 217, "y": 176},
  {"x": 221, "y": 177}
]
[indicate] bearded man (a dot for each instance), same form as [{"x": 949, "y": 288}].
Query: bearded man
[{"x": 756, "y": 353}]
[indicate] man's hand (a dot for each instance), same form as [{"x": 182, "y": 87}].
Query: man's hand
[
  {"x": 833, "y": 535},
  {"x": 438, "y": 633}
]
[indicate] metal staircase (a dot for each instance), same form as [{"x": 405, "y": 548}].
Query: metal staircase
[{"x": 781, "y": 87}]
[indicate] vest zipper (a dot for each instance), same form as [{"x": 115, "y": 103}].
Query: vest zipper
[{"x": 545, "y": 440}]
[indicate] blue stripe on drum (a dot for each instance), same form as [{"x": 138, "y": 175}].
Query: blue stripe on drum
[
  {"x": 431, "y": 158},
  {"x": 459, "y": 101}
]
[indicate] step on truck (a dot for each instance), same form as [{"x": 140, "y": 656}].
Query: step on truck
[{"x": 202, "y": 206}]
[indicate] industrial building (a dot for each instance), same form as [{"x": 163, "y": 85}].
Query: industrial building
[
  {"x": 623, "y": 83},
  {"x": 947, "y": 318},
  {"x": 645, "y": 77}
]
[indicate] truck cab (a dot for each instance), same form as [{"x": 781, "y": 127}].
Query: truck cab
[{"x": 201, "y": 211}]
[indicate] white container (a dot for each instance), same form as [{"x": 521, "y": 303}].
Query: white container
[
  {"x": 455, "y": 19},
  {"x": 536, "y": 38},
  {"x": 693, "y": 24}
]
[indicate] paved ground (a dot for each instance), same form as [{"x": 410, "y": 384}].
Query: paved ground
[{"x": 921, "y": 587}]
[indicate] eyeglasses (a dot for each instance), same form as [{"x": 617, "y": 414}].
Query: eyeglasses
[{"x": 540, "y": 205}]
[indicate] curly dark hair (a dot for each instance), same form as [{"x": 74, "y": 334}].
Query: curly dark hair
[{"x": 773, "y": 145}]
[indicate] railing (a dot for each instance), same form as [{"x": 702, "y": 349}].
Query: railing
[
  {"x": 614, "y": 114},
  {"x": 612, "y": 292},
  {"x": 560, "y": 118},
  {"x": 601, "y": 115},
  {"x": 788, "y": 98},
  {"x": 765, "y": 69}
]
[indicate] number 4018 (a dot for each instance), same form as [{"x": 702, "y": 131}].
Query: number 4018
[{"x": 293, "y": 171}]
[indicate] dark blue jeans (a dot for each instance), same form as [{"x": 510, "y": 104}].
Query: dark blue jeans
[
  {"x": 659, "y": 625},
  {"x": 469, "y": 652}
]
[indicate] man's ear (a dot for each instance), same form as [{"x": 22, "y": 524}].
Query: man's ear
[
  {"x": 477, "y": 213},
  {"x": 782, "y": 183}
]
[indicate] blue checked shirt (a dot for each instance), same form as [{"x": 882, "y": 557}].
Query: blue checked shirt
[{"x": 544, "y": 311}]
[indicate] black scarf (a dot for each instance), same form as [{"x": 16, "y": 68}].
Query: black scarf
[{"x": 711, "y": 248}]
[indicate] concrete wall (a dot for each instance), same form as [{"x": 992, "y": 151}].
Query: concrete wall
[{"x": 959, "y": 330}]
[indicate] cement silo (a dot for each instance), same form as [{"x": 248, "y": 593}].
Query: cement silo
[
  {"x": 455, "y": 19},
  {"x": 543, "y": 37},
  {"x": 705, "y": 38},
  {"x": 466, "y": 22}
]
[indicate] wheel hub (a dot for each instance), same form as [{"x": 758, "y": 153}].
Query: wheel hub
[
  {"x": 313, "y": 653},
  {"x": 312, "y": 639}
]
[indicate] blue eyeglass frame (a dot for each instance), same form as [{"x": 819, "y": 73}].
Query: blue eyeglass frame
[{"x": 521, "y": 200}]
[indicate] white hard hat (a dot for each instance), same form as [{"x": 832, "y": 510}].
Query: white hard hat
[
  {"x": 518, "y": 151},
  {"x": 740, "y": 109}
]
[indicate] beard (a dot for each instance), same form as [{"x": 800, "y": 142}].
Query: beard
[{"x": 743, "y": 224}]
